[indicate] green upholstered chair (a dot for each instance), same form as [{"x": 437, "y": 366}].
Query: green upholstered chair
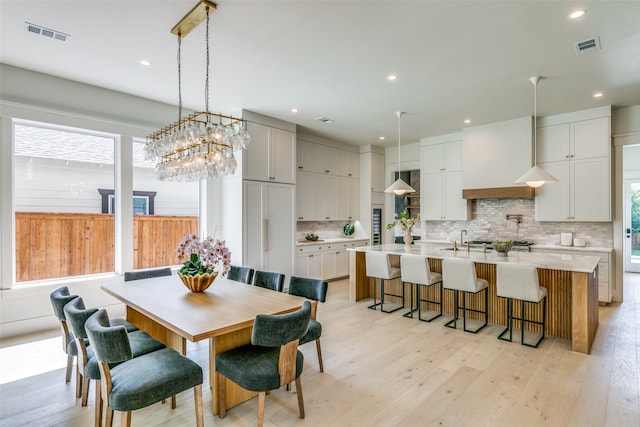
[
  {"x": 270, "y": 361},
  {"x": 240, "y": 274},
  {"x": 59, "y": 298},
  {"x": 146, "y": 274},
  {"x": 130, "y": 383},
  {"x": 269, "y": 280},
  {"x": 141, "y": 343},
  {"x": 314, "y": 289}
]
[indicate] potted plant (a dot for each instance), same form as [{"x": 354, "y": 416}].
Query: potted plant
[
  {"x": 406, "y": 223},
  {"x": 205, "y": 258}
]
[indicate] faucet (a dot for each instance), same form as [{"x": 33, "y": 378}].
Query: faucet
[{"x": 463, "y": 232}]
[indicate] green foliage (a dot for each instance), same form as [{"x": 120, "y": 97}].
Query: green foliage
[
  {"x": 193, "y": 266},
  {"x": 635, "y": 211}
]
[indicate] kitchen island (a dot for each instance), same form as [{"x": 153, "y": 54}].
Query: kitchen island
[{"x": 571, "y": 282}]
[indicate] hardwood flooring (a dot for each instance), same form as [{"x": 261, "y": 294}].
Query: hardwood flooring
[{"x": 384, "y": 370}]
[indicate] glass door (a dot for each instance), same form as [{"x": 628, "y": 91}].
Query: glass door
[{"x": 632, "y": 226}]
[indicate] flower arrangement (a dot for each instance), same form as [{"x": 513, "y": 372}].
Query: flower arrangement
[
  {"x": 203, "y": 255},
  {"x": 404, "y": 221}
]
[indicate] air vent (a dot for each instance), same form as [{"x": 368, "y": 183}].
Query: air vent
[
  {"x": 324, "y": 120},
  {"x": 46, "y": 32},
  {"x": 587, "y": 46}
]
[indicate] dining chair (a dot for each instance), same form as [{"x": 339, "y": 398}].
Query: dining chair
[
  {"x": 137, "y": 382},
  {"x": 270, "y": 361},
  {"x": 146, "y": 274},
  {"x": 268, "y": 279},
  {"x": 87, "y": 365},
  {"x": 313, "y": 289},
  {"x": 459, "y": 274},
  {"x": 59, "y": 298},
  {"x": 520, "y": 282},
  {"x": 240, "y": 274}
]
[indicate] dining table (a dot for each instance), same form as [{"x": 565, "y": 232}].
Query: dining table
[{"x": 223, "y": 314}]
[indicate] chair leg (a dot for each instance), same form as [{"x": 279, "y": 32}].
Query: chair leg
[
  {"x": 98, "y": 413},
  {"x": 261, "y": 398},
  {"x": 319, "y": 355},
  {"x": 197, "y": 397},
  {"x": 78, "y": 383},
  {"x": 452, "y": 323},
  {"x": 300, "y": 398},
  {"x": 85, "y": 390},
  {"x": 67, "y": 377},
  {"x": 222, "y": 395},
  {"x": 375, "y": 299},
  {"x": 173, "y": 402},
  {"x": 108, "y": 422},
  {"x": 125, "y": 419},
  {"x": 509, "y": 322}
]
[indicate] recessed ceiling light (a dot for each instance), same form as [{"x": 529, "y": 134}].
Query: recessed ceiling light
[
  {"x": 381, "y": 138},
  {"x": 467, "y": 121},
  {"x": 598, "y": 95},
  {"x": 392, "y": 77},
  {"x": 145, "y": 62},
  {"x": 294, "y": 110},
  {"x": 578, "y": 13}
]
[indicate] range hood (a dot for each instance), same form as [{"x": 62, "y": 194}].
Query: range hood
[{"x": 516, "y": 192}]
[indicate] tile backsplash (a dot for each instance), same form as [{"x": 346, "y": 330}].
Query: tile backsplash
[{"x": 489, "y": 222}]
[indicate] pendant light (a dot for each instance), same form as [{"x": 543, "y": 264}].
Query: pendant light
[
  {"x": 536, "y": 176},
  {"x": 399, "y": 187}
]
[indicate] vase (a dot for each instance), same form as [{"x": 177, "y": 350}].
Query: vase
[
  {"x": 408, "y": 238},
  {"x": 199, "y": 282}
]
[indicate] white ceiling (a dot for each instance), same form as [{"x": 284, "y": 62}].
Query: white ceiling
[{"x": 454, "y": 60}]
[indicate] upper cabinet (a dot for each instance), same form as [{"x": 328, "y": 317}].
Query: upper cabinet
[
  {"x": 578, "y": 154},
  {"x": 441, "y": 180},
  {"x": 271, "y": 156},
  {"x": 377, "y": 172}
]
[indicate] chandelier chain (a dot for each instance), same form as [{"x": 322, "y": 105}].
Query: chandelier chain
[
  {"x": 206, "y": 80},
  {"x": 179, "y": 78}
]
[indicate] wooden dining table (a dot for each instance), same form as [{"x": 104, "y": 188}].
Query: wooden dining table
[{"x": 223, "y": 314}]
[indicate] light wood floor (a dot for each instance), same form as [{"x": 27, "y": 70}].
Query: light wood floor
[{"x": 386, "y": 370}]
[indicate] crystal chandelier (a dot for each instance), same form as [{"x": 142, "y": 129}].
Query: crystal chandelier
[{"x": 201, "y": 145}]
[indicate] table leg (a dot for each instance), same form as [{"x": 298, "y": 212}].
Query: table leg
[{"x": 157, "y": 331}]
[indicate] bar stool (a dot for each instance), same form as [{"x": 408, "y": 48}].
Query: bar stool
[
  {"x": 520, "y": 282},
  {"x": 415, "y": 271},
  {"x": 460, "y": 275},
  {"x": 379, "y": 267}
]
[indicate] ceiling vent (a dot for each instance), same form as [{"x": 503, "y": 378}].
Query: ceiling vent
[
  {"x": 324, "y": 120},
  {"x": 587, "y": 46},
  {"x": 46, "y": 32}
]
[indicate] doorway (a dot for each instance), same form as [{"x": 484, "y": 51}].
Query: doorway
[{"x": 632, "y": 225}]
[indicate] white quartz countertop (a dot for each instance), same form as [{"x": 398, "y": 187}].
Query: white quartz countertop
[
  {"x": 567, "y": 262},
  {"x": 533, "y": 246},
  {"x": 336, "y": 240}
]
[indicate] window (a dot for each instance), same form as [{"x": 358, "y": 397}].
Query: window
[
  {"x": 60, "y": 229},
  {"x": 143, "y": 202}
]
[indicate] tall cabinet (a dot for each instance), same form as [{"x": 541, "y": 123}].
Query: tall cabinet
[
  {"x": 578, "y": 154},
  {"x": 267, "y": 196},
  {"x": 441, "y": 186}
]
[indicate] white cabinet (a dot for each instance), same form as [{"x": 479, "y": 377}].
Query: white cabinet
[
  {"x": 354, "y": 199},
  {"x": 271, "y": 156},
  {"x": 309, "y": 261},
  {"x": 377, "y": 172},
  {"x": 354, "y": 165},
  {"x": 578, "y": 155},
  {"x": 306, "y": 199},
  {"x": 268, "y": 226},
  {"x": 304, "y": 155},
  {"x": 325, "y": 261},
  {"x": 441, "y": 183}
]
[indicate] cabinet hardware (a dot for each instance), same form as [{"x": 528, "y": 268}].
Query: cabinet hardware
[
  {"x": 327, "y": 217},
  {"x": 300, "y": 217},
  {"x": 311, "y": 256},
  {"x": 327, "y": 171},
  {"x": 300, "y": 167},
  {"x": 350, "y": 174}
]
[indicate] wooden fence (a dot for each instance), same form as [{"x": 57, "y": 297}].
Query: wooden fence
[{"x": 54, "y": 245}]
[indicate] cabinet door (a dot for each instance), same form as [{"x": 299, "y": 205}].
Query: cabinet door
[
  {"x": 253, "y": 235},
  {"x": 553, "y": 143},
  {"x": 342, "y": 198},
  {"x": 455, "y": 207},
  {"x": 282, "y": 156},
  {"x": 553, "y": 200},
  {"x": 354, "y": 199},
  {"x": 591, "y": 189},
  {"x": 431, "y": 197},
  {"x": 305, "y": 197},
  {"x": 342, "y": 263},
  {"x": 328, "y": 265},
  {"x": 330, "y": 197},
  {"x": 305, "y": 156},
  {"x": 280, "y": 228},
  {"x": 590, "y": 138},
  {"x": 432, "y": 158},
  {"x": 452, "y": 160},
  {"x": 323, "y": 159},
  {"x": 256, "y": 157},
  {"x": 354, "y": 165},
  {"x": 377, "y": 172}
]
